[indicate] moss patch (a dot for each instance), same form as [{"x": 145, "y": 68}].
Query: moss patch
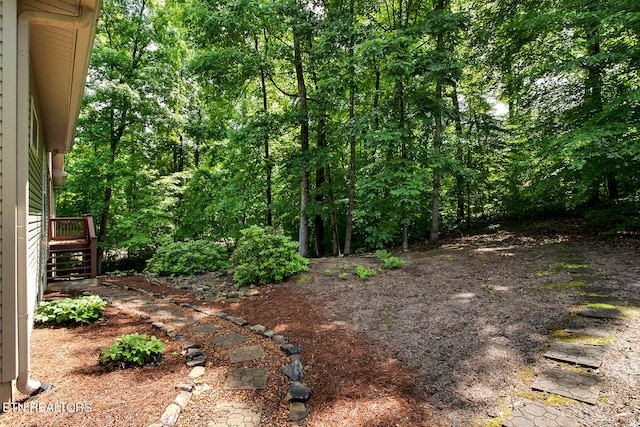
[
  {"x": 601, "y": 306},
  {"x": 302, "y": 278},
  {"x": 527, "y": 376},
  {"x": 499, "y": 421},
  {"x": 564, "y": 336},
  {"x": 529, "y": 395},
  {"x": 560, "y": 286},
  {"x": 554, "y": 399},
  {"x": 559, "y": 267}
]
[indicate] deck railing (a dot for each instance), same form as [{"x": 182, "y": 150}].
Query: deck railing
[{"x": 73, "y": 248}]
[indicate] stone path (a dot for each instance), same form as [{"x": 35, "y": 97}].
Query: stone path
[
  {"x": 535, "y": 414},
  {"x": 574, "y": 385},
  {"x": 166, "y": 317},
  {"x": 581, "y": 354},
  {"x": 575, "y": 377}
]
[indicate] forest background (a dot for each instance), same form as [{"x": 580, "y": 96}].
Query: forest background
[{"x": 354, "y": 124}]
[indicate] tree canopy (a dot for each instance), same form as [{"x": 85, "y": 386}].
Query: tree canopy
[{"x": 354, "y": 124}]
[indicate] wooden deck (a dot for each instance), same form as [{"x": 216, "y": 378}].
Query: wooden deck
[{"x": 72, "y": 249}]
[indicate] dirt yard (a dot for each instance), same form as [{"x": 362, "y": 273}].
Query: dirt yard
[{"x": 452, "y": 338}]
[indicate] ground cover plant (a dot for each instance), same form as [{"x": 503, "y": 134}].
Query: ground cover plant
[
  {"x": 389, "y": 261},
  {"x": 82, "y": 309},
  {"x": 133, "y": 350}
]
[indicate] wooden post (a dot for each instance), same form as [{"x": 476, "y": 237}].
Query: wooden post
[{"x": 93, "y": 243}]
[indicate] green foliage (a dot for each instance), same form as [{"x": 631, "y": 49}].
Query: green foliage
[
  {"x": 70, "y": 310},
  {"x": 190, "y": 258},
  {"x": 189, "y": 129},
  {"x": 390, "y": 261},
  {"x": 266, "y": 255},
  {"x": 394, "y": 262},
  {"x": 383, "y": 254},
  {"x": 364, "y": 273},
  {"x": 133, "y": 350}
]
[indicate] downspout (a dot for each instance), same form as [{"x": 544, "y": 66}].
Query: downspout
[{"x": 26, "y": 295}]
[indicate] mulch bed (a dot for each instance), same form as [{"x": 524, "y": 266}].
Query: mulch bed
[{"x": 451, "y": 339}]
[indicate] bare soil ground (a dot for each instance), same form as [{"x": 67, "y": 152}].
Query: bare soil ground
[{"x": 453, "y": 338}]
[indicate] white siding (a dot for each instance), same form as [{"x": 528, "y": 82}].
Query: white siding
[
  {"x": 1, "y": 93},
  {"x": 38, "y": 215}
]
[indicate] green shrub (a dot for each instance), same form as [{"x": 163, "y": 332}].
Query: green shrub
[
  {"x": 389, "y": 261},
  {"x": 266, "y": 255},
  {"x": 133, "y": 350},
  {"x": 383, "y": 254},
  {"x": 70, "y": 310},
  {"x": 189, "y": 258},
  {"x": 364, "y": 273},
  {"x": 394, "y": 262}
]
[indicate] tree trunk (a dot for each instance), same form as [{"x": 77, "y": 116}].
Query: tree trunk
[
  {"x": 437, "y": 145},
  {"x": 403, "y": 154},
  {"x": 460, "y": 193},
  {"x": 303, "y": 232},
  {"x": 352, "y": 143},
  {"x": 267, "y": 157},
  {"x": 318, "y": 221},
  {"x": 335, "y": 236},
  {"x": 441, "y": 5}
]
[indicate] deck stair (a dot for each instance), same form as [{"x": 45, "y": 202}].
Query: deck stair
[{"x": 72, "y": 249}]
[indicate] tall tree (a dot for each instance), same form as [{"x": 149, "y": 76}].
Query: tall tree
[{"x": 129, "y": 95}]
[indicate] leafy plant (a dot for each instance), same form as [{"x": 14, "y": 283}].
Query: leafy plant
[
  {"x": 133, "y": 350},
  {"x": 364, "y": 273},
  {"x": 70, "y": 310},
  {"x": 383, "y": 254},
  {"x": 394, "y": 262},
  {"x": 389, "y": 261},
  {"x": 266, "y": 255},
  {"x": 191, "y": 258}
]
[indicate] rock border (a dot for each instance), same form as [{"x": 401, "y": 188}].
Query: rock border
[{"x": 297, "y": 396}]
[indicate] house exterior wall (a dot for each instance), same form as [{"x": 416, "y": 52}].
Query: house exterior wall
[
  {"x": 37, "y": 225},
  {"x": 1, "y": 92},
  {"x": 24, "y": 158}
]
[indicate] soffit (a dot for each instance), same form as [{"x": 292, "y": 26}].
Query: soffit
[{"x": 60, "y": 57}]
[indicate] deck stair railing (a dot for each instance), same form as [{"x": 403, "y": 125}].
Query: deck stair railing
[{"x": 72, "y": 248}]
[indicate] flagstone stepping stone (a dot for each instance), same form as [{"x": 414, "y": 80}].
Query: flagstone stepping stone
[
  {"x": 243, "y": 414},
  {"x": 246, "y": 379},
  {"x": 154, "y": 307},
  {"x": 162, "y": 311},
  {"x": 593, "y": 328},
  {"x": 241, "y": 354},
  {"x": 535, "y": 414},
  {"x": 582, "y": 387},
  {"x": 183, "y": 321},
  {"x": 229, "y": 340},
  {"x": 206, "y": 329},
  {"x": 581, "y": 354},
  {"x": 601, "y": 313}
]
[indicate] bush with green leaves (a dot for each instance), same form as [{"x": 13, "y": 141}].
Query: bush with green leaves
[
  {"x": 133, "y": 350},
  {"x": 364, "y": 273},
  {"x": 266, "y": 255},
  {"x": 189, "y": 258},
  {"x": 390, "y": 261},
  {"x": 70, "y": 310}
]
